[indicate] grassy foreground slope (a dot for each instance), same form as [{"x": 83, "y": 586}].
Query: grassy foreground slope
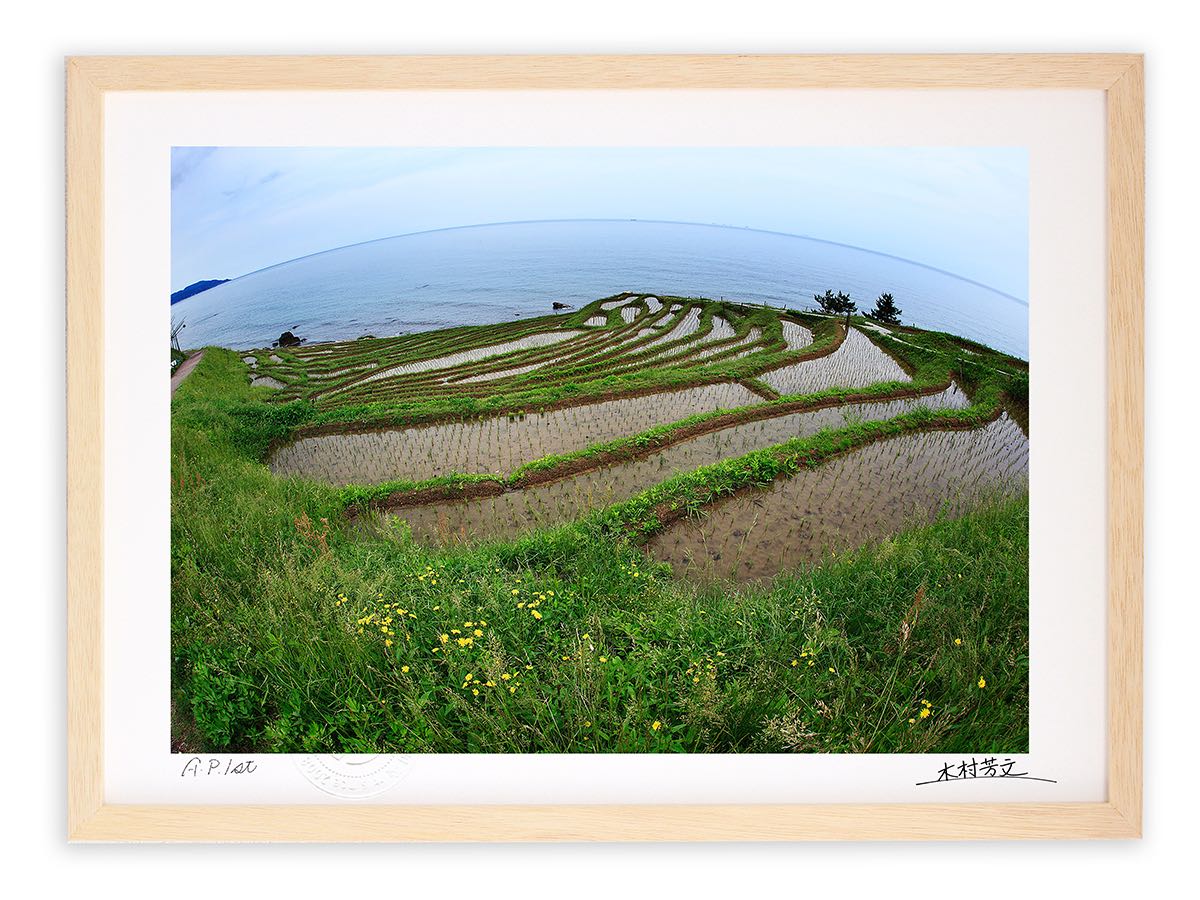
[{"x": 295, "y": 630}]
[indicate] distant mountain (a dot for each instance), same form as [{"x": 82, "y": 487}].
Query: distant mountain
[{"x": 196, "y": 288}]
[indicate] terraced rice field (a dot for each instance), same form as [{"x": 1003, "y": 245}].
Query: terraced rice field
[
  {"x": 569, "y": 498},
  {"x": 610, "y": 403},
  {"x": 562, "y": 534},
  {"x": 856, "y": 363},
  {"x": 453, "y": 360},
  {"x": 498, "y": 445},
  {"x": 858, "y": 498}
]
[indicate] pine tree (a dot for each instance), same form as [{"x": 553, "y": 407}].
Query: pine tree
[
  {"x": 885, "y": 310},
  {"x": 838, "y": 304}
]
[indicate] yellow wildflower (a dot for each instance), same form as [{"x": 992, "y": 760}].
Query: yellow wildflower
[
  {"x": 404, "y": 668},
  {"x": 538, "y": 615},
  {"x": 982, "y": 682},
  {"x": 657, "y": 725}
]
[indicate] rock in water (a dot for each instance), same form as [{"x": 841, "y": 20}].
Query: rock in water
[
  {"x": 557, "y": 305},
  {"x": 287, "y": 339}
]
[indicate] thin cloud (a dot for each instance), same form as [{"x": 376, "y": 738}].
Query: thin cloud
[{"x": 185, "y": 160}]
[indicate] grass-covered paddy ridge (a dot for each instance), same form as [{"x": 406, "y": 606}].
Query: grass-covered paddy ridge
[{"x": 307, "y": 617}]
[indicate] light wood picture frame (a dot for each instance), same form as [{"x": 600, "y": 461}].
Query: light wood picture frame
[{"x": 92, "y": 818}]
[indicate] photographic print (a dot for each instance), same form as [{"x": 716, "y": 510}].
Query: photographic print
[{"x": 599, "y": 450}]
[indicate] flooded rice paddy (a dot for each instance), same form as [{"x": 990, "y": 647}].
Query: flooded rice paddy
[
  {"x": 686, "y": 325},
  {"x": 856, "y": 498},
  {"x": 856, "y": 363},
  {"x": 562, "y": 501},
  {"x": 613, "y": 304},
  {"x": 797, "y": 337},
  {"x": 851, "y": 500},
  {"x": 753, "y": 336},
  {"x": 506, "y": 373},
  {"x": 341, "y": 373},
  {"x": 542, "y": 339},
  {"x": 721, "y": 330},
  {"x": 497, "y": 445}
]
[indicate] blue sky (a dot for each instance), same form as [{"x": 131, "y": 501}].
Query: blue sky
[{"x": 238, "y": 209}]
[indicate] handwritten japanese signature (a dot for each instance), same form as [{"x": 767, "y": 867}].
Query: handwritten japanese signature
[{"x": 988, "y": 767}]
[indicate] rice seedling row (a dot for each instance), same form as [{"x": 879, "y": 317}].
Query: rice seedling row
[
  {"x": 857, "y": 498},
  {"x": 497, "y": 445},
  {"x": 567, "y": 499}
]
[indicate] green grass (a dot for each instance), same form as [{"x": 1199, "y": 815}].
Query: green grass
[{"x": 268, "y": 656}]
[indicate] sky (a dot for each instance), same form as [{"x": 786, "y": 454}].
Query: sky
[{"x": 235, "y": 210}]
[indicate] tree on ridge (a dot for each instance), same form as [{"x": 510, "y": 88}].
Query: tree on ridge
[
  {"x": 838, "y": 304},
  {"x": 885, "y": 310}
]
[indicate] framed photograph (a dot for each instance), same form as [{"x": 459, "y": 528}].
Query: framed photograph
[{"x": 604, "y": 448}]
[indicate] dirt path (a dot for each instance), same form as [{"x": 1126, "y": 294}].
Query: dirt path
[{"x": 184, "y": 370}]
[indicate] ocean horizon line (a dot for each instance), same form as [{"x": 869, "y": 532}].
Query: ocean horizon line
[{"x": 750, "y": 228}]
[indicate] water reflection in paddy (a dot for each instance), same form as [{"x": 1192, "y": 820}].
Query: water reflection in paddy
[
  {"x": 562, "y": 501},
  {"x": 497, "y": 445},
  {"x": 849, "y": 501},
  {"x": 856, "y": 363}
]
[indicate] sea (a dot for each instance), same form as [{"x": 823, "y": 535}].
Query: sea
[{"x": 497, "y": 273}]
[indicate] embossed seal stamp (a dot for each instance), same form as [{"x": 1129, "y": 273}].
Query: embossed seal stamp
[{"x": 352, "y": 776}]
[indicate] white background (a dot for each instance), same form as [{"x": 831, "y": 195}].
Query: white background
[{"x": 31, "y": 233}]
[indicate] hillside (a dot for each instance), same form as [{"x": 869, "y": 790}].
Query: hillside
[{"x": 194, "y": 288}]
